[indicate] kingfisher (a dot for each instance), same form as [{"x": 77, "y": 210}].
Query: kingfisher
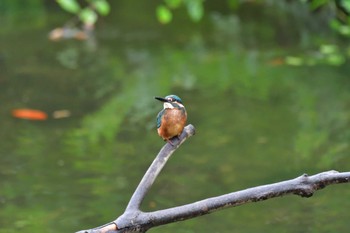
[{"x": 172, "y": 119}]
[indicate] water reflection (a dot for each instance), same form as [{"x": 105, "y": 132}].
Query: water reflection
[{"x": 257, "y": 122}]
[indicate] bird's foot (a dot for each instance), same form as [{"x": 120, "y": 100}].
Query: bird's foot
[
  {"x": 170, "y": 142},
  {"x": 174, "y": 140}
]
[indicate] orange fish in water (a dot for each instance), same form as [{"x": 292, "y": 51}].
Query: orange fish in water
[{"x": 29, "y": 114}]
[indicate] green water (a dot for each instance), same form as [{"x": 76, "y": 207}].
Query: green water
[{"x": 257, "y": 121}]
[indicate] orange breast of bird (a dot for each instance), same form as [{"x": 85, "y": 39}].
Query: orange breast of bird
[{"x": 173, "y": 122}]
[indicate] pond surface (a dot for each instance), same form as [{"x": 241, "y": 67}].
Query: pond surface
[{"x": 258, "y": 120}]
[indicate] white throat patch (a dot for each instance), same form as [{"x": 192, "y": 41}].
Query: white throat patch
[{"x": 169, "y": 105}]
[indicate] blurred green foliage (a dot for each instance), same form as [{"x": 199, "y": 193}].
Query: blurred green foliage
[
  {"x": 339, "y": 22},
  {"x": 88, "y": 14}
]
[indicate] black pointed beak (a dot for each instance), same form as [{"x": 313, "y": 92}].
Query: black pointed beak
[{"x": 161, "y": 99}]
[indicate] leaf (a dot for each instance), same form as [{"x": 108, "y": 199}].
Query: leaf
[
  {"x": 344, "y": 30},
  {"x": 346, "y": 5},
  {"x": 328, "y": 49},
  {"x": 195, "y": 9},
  {"x": 173, "y": 3},
  {"x": 88, "y": 16},
  {"x": 334, "y": 24},
  {"x": 233, "y": 4},
  {"x": 102, "y": 7},
  {"x": 294, "y": 61},
  {"x": 335, "y": 59},
  {"x": 318, "y": 3},
  {"x": 164, "y": 15},
  {"x": 72, "y": 6}
]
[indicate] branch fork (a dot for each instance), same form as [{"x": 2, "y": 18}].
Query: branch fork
[{"x": 135, "y": 220}]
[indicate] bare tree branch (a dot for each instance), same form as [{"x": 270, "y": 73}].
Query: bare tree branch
[
  {"x": 133, "y": 208},
  {"x": 134, "y": 220},
  {"x": 155, "y": 168},
  {"x": 303, "y": 186}
]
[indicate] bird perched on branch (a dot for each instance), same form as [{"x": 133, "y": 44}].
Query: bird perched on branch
[{"x": 172, "y": 119}]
